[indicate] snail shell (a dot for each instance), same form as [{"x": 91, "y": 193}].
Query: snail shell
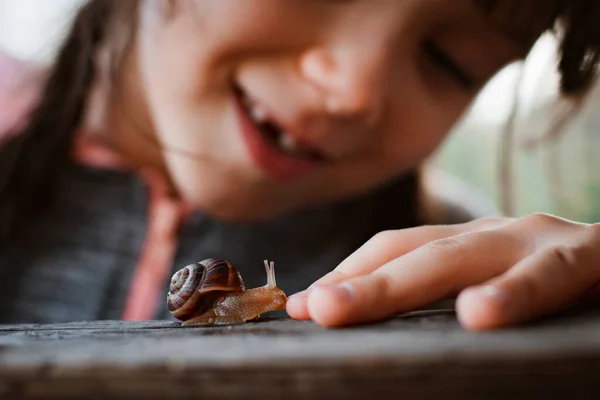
[{"x": 194, "y": 288}]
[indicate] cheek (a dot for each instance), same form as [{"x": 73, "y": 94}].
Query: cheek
[
  {"x": 418, "y": 117},
  {"x": 416, "y": 131},
  {"x": 170, "y": 68},
  {"x": 186, "y": 89},
  {"x": 192, "y": 56},
  {"x": 183, "y": 57},
  {"x": 172, "y": 92}
]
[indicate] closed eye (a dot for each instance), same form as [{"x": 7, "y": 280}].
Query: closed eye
[{"x": 448, "y": 65}]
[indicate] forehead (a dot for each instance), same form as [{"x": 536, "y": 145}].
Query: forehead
[{"x": 523, "y": 20}]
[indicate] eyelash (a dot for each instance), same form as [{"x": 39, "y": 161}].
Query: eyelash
[{"x": 449, "y": 66}]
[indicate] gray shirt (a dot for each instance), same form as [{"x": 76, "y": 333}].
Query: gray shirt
[{"x": 74, "y": 259}]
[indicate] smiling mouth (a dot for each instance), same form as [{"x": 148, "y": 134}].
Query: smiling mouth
[{"x": 275, "y": 135}]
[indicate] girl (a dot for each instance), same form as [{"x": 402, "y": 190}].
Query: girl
[{"x": 172, "y": 131}]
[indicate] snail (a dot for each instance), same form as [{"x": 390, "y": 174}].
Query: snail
[{"x": 212, "y": 292}]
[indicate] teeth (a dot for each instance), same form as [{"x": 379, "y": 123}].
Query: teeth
[
  {"x": 258, "y": 114},
  {"x": 287, "y": 142},
  {"x": 284, "y": 141}
]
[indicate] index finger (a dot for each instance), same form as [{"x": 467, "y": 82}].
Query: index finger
[
  {"x": 388, "y": 245},
  {"x": 418, "y": 278},
  {"x": 383, "y": 248}
]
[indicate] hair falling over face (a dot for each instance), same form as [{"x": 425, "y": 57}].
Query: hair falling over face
[
  {"x": 575, "y": 25},
  {"x": 41, "y": 149},
  {"x": 37, "y": 154},
  {"x": 575, "y": 22}
]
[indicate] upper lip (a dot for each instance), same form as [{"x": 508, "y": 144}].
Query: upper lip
[{"x": 300, "y": 135}]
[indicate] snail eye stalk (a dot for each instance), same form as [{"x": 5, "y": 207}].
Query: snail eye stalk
[{"x": 270, "y": 268}]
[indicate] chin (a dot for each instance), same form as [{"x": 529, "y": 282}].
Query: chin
[
  {"x": 242, "y": 214},
  {"x": 237, "y": 209}
]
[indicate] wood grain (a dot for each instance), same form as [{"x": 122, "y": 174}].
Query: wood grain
[{"x": 418, "y": 355}]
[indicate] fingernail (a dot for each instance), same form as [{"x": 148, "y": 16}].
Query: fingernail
[
  {"x": 293, "y": 299},
  {"x": 493, "y": 293},
  {"x": 300, "y": 294},
  {"x": 343, "y": 291},
  {"x": 484, "y": 307}
]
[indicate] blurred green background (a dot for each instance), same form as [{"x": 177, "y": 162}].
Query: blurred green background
[{"x": 559, "y": 175}]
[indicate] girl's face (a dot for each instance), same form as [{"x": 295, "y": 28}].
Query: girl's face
[{"x": 265, "y": 106}]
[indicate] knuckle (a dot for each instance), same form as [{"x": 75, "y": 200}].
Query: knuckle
[
  {"x": 383, "y": 239},
  {"x": 446, "y": 247},
  {"x": 540, "y": 218},
  {"x": 593, "y": 233},
  {"x": 564, "y": 267},
  {"x": 382, "y": 284},
  {"x": 549, "y": 225},
  {"x": 563, "y": 256}
]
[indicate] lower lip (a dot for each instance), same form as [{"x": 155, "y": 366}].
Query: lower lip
[{"x": 266, "y": 157}]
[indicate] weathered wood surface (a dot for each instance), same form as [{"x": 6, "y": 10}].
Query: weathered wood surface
[{"x": 419, "y": 355}]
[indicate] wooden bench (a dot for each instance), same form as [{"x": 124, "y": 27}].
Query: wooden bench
[{"x": 418, "y": 355}]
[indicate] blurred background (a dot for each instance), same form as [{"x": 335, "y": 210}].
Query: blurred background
[{"x": 555, "y": 172}]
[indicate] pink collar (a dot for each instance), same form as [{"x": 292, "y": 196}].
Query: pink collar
[
  {"x": 165, "y": 215},
  {"x": 20, "y": 84}
]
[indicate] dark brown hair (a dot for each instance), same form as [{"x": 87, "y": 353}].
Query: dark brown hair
[
  {"x": 36, "y": 155},
  {"x": 575, "y": 22}
]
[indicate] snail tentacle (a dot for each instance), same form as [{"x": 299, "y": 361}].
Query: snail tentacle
[
  {"x": 270, "y": 267},
  {"x": 212, "y": 292}
]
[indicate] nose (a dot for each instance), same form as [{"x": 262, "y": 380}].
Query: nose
[{"x": 350, "y": 85}]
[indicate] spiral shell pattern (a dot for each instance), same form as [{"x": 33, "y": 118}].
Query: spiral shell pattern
[{"x": 195, "y": 287}]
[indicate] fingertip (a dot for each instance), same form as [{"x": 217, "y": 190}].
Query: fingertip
[
  {"x": 329, "y": 305},
  {"x": 482, "y": 308},
  {"x": 296, "y": 306}
]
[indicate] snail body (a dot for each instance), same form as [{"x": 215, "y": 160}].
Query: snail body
[{"x": 212, "y": 292}]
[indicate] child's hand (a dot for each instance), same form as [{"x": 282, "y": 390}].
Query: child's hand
[{"x": 505, "y": 271}]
